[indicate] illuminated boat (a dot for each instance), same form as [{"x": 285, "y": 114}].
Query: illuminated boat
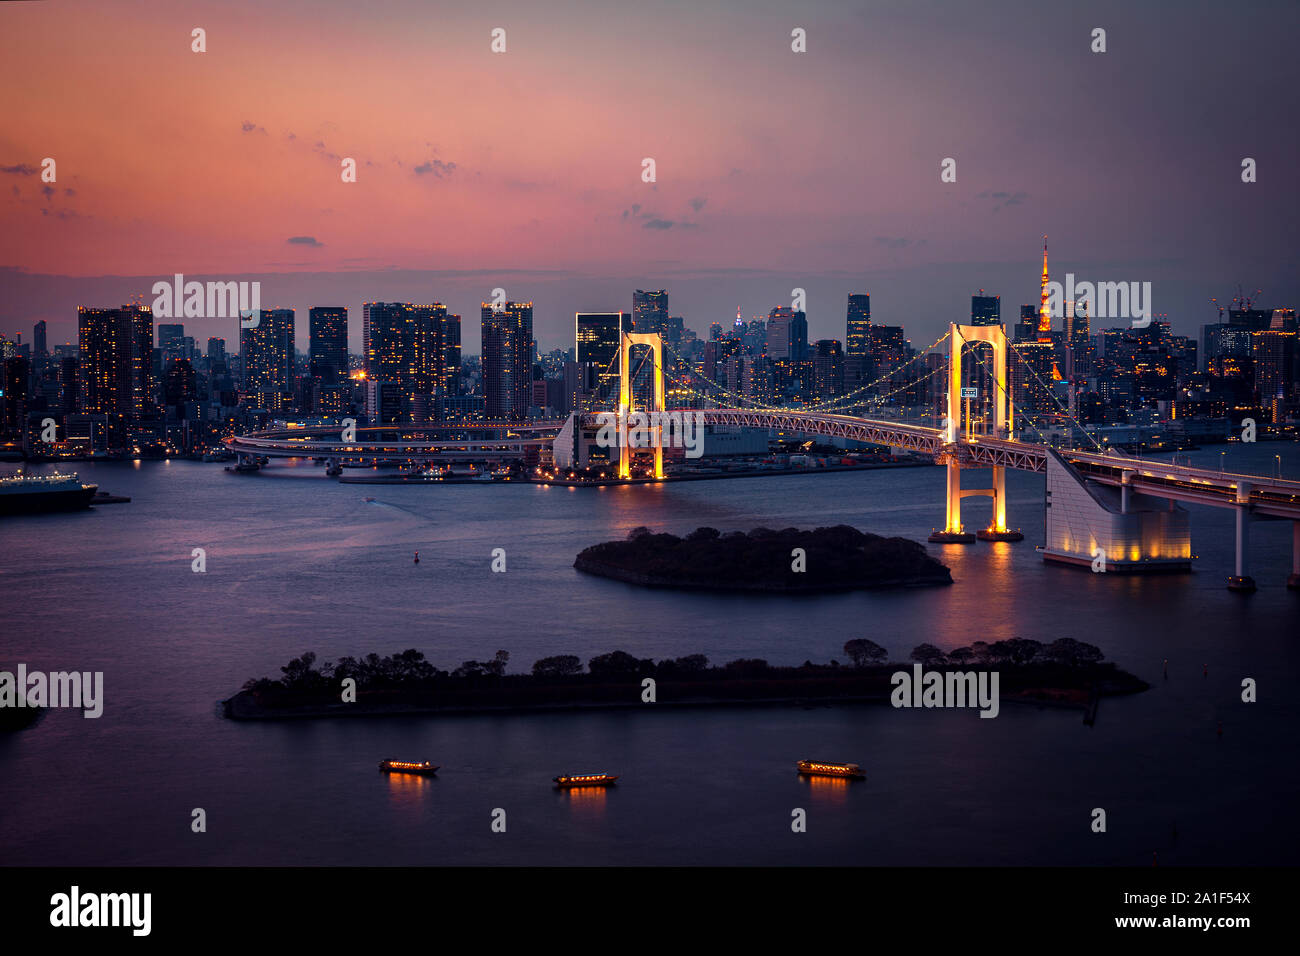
[
  {"x": 823, "y": 768},
  {"x": 585, "y": 780},
  {"x": 32, "y": 494},
  {"x": 407, "y": 766}
]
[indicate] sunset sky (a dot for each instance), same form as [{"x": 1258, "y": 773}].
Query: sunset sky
[{"x": 523, "y": 169}]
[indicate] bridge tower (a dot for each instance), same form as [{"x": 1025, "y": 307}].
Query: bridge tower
[
  {"x": 625, "y": 400},
  {"x": 955, "y": 441}
]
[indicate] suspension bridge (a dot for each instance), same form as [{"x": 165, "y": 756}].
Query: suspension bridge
[{"x": 1110, "y": 511}]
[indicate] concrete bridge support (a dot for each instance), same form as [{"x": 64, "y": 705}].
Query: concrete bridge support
[
  {"x": 953, "y": 532},
  {"x": 1241, "y": 580}
]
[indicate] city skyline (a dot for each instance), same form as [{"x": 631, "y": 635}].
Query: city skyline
[{"x": 774, "y": 170}]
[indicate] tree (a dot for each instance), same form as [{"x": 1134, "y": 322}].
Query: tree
[
  {"x": 298, "y": 672},
  {"x": 863, "y": 652},
  {"x": 497, "y": 666},
  {"x": 640, "y": 531},
  {"x": 1022, "y": 650},
  {"x": 692, "y": 663},
  {"x": 961, "y": 656},
  {"x": 561, "y": 665},
  {"x": 618, "y": 664},
  {"x": 928, "y": 654},
  {"x": 1072, "y": 653},
  {"x": 470, "y": 669}
]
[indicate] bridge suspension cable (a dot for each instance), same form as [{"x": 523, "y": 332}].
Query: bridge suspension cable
[
  {"x": 983, "y": 359},
  {"x": 820, "y": 406}
]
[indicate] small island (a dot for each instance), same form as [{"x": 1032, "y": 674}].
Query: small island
[
  {"x": 839, "y": 558},
  {"x": 1064, "y": 673}
]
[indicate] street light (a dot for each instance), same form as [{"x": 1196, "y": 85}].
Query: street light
[{"x": 1221, "y": 454}]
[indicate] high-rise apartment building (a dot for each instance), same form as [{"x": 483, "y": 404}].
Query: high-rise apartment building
[
  {"x": 266, "y": 351},
  {"x": 507, "y": 360},
  {"x": 116, "y": 367}
]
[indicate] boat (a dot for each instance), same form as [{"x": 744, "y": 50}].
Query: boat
[
  {"x": 35, "y": 494},
  {"x": 423, "y": 768},
  {"x": 824, "y": 768},
  {"x": 483, "y": 476},
  {"x": 585, "y": 780}
]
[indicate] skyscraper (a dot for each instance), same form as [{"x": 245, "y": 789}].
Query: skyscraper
[
  {"x": 451, "y": 354},
  {"x": 857, "y": 339},
  {"x": 328, "y": 348},
  {"x": 650, "y": 311},
  {"x": 787, "y": 334},
  {"x": 507, "y": 360},
  {"x": 404, "y": 347},
  {"x": 985, "y": 309},
  {"x": 116, "y": 351},
  {"x": 828, "y": 369},
  {"x": 1027, "y": 327},
  {"x": 266, "y": 351},
  {"x": 598, "y": 336},
  {"x": 40, "y": 354}
]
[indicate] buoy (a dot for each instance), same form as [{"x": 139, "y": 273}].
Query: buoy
[
  {"x": 1206, "y": 672},
  {"x": 1166, "y": 667},
  {"x": 417, "y": 557},
  {"x": 1220, "y": 728}
]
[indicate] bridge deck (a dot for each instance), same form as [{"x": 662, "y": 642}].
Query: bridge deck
[{"x": 1274, "y": 497}]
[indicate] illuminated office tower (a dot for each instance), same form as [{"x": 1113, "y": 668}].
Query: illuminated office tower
[
  {"x": 598, "y": 336},
  {"x": 857, "y": 326},
  {"x": 507, "y": 360},
  {"x": 650, "y": 311},
  {"x": 328, "y": 347}
]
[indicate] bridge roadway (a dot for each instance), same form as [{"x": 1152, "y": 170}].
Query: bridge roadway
[
  {"x": 396, "y": 442},
  {"x": 1266, "y": 496}
]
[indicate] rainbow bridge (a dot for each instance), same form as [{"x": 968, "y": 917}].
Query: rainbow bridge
[{"x": 1106, "y": 510}]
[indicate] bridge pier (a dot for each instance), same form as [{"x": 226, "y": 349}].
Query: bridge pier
[
  {"x": 997, "y": 529},
  {"x": 952, "y": 532},
  {"x": 1241, "y": 581}
]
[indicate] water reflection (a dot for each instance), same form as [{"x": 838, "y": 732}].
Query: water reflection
[
  {"x": 405, "y": 789},
  {"x": 585, "y": 801},
  {"x": 832, "y": 790}
]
